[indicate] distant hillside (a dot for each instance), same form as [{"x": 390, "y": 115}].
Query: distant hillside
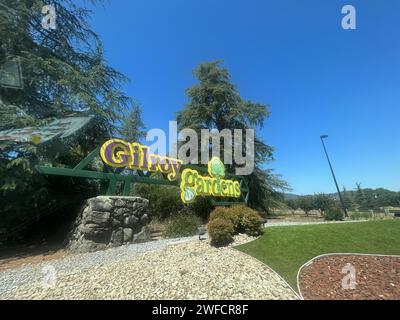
[
  {"x": 290, "y": 196},
  {"x": 364, "y": 198}
]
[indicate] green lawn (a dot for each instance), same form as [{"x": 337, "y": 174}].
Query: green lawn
[{"x": 286, "y": 249}]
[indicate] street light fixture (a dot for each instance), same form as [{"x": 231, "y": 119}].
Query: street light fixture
[{"x": 333, "y": 175}]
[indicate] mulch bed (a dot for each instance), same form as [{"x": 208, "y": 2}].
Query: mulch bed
[
  {"x": 16, "y": 257},
  {"x": 376, "y": 278}
]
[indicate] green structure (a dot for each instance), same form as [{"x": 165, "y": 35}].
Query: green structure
[{"x": 113, "y": 178}]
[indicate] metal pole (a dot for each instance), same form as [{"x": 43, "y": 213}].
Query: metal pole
[{"x": 334, "y": 177}]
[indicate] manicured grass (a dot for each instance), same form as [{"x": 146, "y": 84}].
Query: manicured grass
[{"x": 286, "y": 249}]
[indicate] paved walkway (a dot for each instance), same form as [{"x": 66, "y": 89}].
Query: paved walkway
[{"x": 272, "y": 223}]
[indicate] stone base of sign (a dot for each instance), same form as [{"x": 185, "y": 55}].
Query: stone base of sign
[{"x": 106, "y": 222}]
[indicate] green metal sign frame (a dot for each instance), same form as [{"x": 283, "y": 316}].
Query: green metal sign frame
[{"x": 113, "y": 178}]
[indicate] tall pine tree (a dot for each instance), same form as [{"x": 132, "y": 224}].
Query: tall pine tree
[
  {"x": 132, "y": 127},
  {"x": 64, "y": 73},
  {"x": 215, "y": 103}
]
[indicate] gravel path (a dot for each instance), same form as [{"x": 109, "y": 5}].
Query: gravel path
[
  {"x": 25, "y": 275},
  {"x": 270, "y": 224},
  {"x": 167, "y": 269}
]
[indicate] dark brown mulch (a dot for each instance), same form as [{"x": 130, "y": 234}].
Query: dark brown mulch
[
  {"x": 15, "y": 257},
  {"x": 375, "y": 278}
]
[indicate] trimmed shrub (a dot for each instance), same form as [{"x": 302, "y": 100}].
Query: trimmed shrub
[
  {"x": 220, "y": 231},
  {"x": 243, "y": 219},
  {"x": 366, "y": 215},
  {"x": 354, "y": 215},
  {"x": 218, "y": 212},
  {"x": 251, "y": 223},
  {"x": 358, "y": 215},
  {"x": 334, "y": 215},
  {"x": 228, "y": 213},
  {"x": 184, "y": 223}
]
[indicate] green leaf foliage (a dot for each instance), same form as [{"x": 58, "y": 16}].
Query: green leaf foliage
[{"x": 64, "y": 73}]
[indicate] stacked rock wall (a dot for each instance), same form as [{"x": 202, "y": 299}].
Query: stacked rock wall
[{"x": 106, "y": 222}]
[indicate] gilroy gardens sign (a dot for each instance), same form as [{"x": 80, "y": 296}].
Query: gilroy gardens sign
[{"x": 130, "y": 163}]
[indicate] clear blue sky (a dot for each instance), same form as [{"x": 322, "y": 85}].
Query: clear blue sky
[{"x": 293, "y": 55}]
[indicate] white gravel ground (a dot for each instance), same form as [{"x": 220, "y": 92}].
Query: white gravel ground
[
  {"x": 26, "y": 275},
  {"x": 167, "y": 269}
]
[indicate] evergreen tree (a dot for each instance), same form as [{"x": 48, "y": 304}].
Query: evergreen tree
[
  {"x": 365, "y": 198},
  {"x": 63, "y": 69},
  {"x": 215, "y": 103},
  {"x": 306, "y": 203},
  {"x": 132, "y": 127},
  {"x": 348, "y": 200},
  {"x": 360, "y": 197},
  {"x": 323, "y": 202},
  {"x": 64, "y": 73},
  {"x": 292, "y": 205}
]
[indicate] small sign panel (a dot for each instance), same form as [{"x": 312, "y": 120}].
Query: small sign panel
[{"x": 11, "y": 75}]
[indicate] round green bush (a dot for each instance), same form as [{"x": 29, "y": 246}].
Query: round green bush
[
  {"x": 229, "y": 214},
  {"x": 243, "y": 219},
  {"x": 220, "y": 231},
  {"x": 249, "y": 220},
  {"x": 366, "y": 215},
  {"x": 355, "y": 215},
  {"x": 334, "y": 215}
]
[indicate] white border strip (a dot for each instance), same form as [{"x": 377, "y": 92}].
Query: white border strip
[
  {"x": 335, "y": 254},
  {"x": 273, "y": 271}
]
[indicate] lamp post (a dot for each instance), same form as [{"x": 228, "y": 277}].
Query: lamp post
[{"x": 333, "y": 175}]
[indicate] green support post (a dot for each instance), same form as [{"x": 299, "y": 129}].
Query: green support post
[
  {"x": 127, "y": 188},
  {"x": 112, "y": 187}
]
